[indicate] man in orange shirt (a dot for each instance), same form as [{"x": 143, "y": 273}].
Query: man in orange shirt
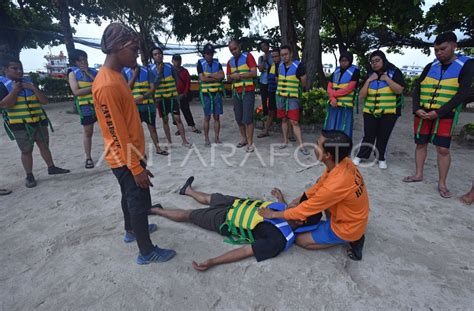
[
  {"x": 124, "y": 140},
  {"x": 340, "y": 193}
]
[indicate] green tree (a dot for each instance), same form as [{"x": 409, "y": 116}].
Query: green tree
[{"x": 25, "y": 25}]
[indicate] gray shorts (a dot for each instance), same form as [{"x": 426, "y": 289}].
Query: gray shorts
[
  {"x": 214, "y": 216},
  {"x": 26, "y": 142},
  {"x": 244, "y": 107},
  {"x": 293, "y": 103}
]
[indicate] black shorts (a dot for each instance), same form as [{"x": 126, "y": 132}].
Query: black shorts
[
  {"x": 167, "y": 105},
  {"x": 214, "y": 216},
  {"x": 272, "y": 101},
  {"x": 88, "y": 120},
  {"x": 148, "y": 117}
]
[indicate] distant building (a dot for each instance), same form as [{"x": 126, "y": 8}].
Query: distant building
[
  {"x": 412, "y": 71},
  {"x": 57, "y": 65},
  {"x": 328, "y": 68}
]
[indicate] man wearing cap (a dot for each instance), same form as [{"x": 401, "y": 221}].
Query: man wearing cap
[
  {"x": 211, "y": 91},
  {"x": 437, "y": 100},
  {"x": 124, "y": 139},
  {"x": 241, "y": 71},
  {"x": 183, "y": 86}
]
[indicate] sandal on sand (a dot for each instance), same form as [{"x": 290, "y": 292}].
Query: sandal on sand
[
  {"x": 409, "y": 179},
  {"x": 444, "y": 193},
  {"x": 157, "y": 205},
  {"x": 162, "y": 152},
  {"x": 196, "y": 131},
  {"x": 304, "y": 151},
  {"x": 261, "y": 135},
  {"x": 188, "y": 183},
  {"x": 5, "y": 191},
  {"x": 292, "y": 139},
  {"x": 240, "y": 145},
  {"x": 282, "y": 146},
  {"x": 250, "y": 149},
  {"x": 89, "y": 163}
]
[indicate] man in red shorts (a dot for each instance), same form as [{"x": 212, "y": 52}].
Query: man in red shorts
[
  {"x": 437, "y": 99},
  {"x": 291, "y": 81}
]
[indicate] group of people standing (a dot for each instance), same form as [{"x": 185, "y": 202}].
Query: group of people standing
[
  {"x": 438, "y": 96},
  {"x": 122, "y": 95}
]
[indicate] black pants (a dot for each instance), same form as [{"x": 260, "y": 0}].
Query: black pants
[
  {"x": 136, "y": 203},
  {"x": 376, "y": 130},
  {"x": 264, "y": 95},
  {"x": 184, "y": 105}
]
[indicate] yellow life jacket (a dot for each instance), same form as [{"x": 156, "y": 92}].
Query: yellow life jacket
[
  {"x": 438, "y": 87},
  {"x": 210, "y": 87},
  {"x": 27, "y": 108},
  {"x": 240, "y": 66},
  {"x": 339, "y": 82},
  {"x": 288, "y": 83},
  {"x": 141, "y": 85},
  {"x": 380, "y": 98},
  {"x": 167, "y": 86},
  {"x": 84, "y": 81}
]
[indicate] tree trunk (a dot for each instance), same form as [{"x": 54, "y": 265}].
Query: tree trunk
[
  {"x": 287, "y": 26},
  {"x": 63, "y": 8},
  {"x": 312, "y": 46}
]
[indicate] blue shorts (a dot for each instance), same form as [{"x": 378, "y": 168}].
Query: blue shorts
[
  {"x": 216, "y": 107},
  {"x": 323, "y": 234},
  {"x": 87, "y": 114}
]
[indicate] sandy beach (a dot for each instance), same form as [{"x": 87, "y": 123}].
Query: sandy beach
[{"x": 62, "y": 247}]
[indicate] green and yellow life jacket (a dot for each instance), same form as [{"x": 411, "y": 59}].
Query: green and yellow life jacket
[
  {"x": 288, "y": 83},
  {"x": 381, "y": 99},
  {"x": 84, "y": 81},
  {"x": 26, "y": 111},
  {"x": 142, "y": 83},
  {"x": 339, "y": 82},
  {"x": 240, "y": 66},
  {"x": 167, "y": 86},
  {"x": 438, "y": 87}
]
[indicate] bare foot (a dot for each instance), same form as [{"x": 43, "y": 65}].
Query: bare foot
[
  {"x": 217, "y": 141},
  {"x": 277, "y": 194}
]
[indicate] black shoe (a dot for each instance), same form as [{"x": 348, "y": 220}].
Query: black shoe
[
  {"x": 177, "y": 133},
  {"x": 355, "y": 252},
  {"x": 30, "y": 181},
  {"x": 188, "y": 183},
  {"x": 54, "y": 170}
]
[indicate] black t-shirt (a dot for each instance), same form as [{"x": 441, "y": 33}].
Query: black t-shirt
[
  {"x": 464, "y": 80},
  {"x": 398, "y": 79},
  {"x": 200, "y": 70}
]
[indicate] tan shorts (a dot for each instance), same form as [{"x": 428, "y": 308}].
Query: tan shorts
[{"x": 26, "y": 142}]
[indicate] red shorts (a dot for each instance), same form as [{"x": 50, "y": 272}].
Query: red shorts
[
  {"x": 293, "y": 114},
  {"x": 442, "y": 138}
]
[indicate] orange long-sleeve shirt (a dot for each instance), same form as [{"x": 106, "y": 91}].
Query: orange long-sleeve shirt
[
  {"x": 343, "y": 192},
  {"x": 124, "y": 140}
]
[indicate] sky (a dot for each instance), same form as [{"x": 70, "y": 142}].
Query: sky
[{"x": 33, "y": 59}]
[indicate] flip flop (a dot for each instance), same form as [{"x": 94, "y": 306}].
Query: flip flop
[
  {"x": 207, "y": 144},
  {"x": 197, "y": 131},
  {"x": 282, "y": 146},
  {"x": 250, "y": 149},
  {"x": 240, "y": 145},
  {"x": 409, "y": 179},
  {"x": 5, "y": 191},
  {"x": 162, "y": 152},
  {"x": 188, "y": 183},
  {"x": 304, "y": 151},
  {"x": 157, "y": 205},
  {"x": 445, "y": 193},
  {"x": 89, "y": 163},
  {"x": 292, "y": 139},
  {"x": 261, "y": 135}
]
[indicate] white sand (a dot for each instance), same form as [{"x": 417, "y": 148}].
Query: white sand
[{"x": 62, "y": 245}]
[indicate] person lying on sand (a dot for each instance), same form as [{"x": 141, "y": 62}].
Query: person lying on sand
[{"x": 238, "y": 220}]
